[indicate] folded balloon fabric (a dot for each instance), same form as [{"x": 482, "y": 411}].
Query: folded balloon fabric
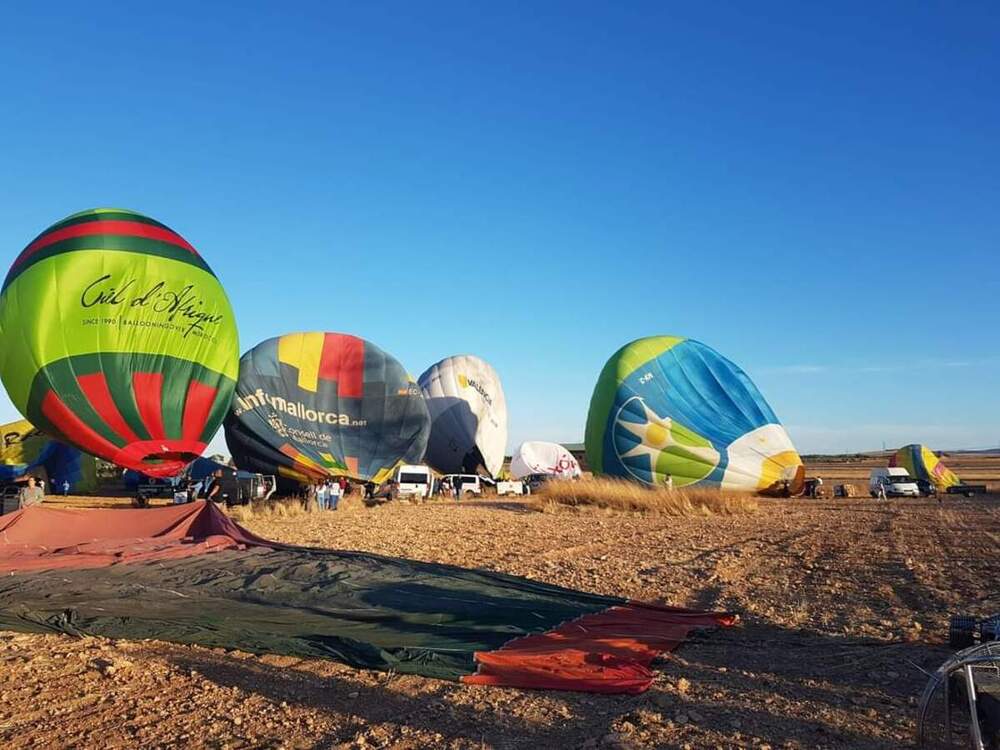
[{"x": 189, "y": 574}]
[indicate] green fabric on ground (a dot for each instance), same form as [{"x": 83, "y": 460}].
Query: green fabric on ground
[{"x": 364, "y": 610}]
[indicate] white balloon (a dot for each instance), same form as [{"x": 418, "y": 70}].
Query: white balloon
[
  {"x": 468, "y": 416},
  {"x": 537, "y": 457}
]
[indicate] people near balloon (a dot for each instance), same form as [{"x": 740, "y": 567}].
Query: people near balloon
[
  {"x": 923, "y": 465},
  {"x": 117, "y": 338},
  {"x": 669, "y": 406},
  {"x": 311, "y": 406},
  {"x": 538, "y": 457},
  {"x": 468, "y": 413},
  {"x": 213, "y": 487},
  {"x": 31, "y": 494},
  {"x": 328, "y": 493},
  {"x": 25, "y": 449}
]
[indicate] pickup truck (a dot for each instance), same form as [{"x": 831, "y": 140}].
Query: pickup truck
[{"x": 967, "y": 489}]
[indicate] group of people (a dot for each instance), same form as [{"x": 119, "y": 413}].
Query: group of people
[
  {"x": 446, "y": 488},
  {"x": 189, "y": 492},
  {"x": 213, "y": 487},
  {"x": 328, "y": 493},
  {"x": 34, "y": 490}
]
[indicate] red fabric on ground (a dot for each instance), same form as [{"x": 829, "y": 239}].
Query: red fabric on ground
[
  {"x": 43, "y": 538},
  {"x": 605, "y": 652}
]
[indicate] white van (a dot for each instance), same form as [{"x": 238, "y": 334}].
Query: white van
[
  {"x": 896, "y": 480},
  {"x": 511, "y": 487},
  {"x": 414, "y": 480},
  {"x": 467, "y": 484}
]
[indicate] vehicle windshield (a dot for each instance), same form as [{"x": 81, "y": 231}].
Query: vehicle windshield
[
  {"x": 411, "y": 478},
  {"x": 905, "y": 479}
]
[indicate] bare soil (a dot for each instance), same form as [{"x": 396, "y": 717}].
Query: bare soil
[{"x": 842, "y": 603}]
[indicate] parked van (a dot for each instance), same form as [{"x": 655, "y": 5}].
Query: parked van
[
  {"x": 896, "y": 480},
  {"x": 414, "y": 480},
  {"x": 471, "y": 484},
  {"x": 511, "y": 487}
]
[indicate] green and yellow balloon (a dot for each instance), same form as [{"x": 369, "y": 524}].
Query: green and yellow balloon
[
  {"x": 669, "y": 408},
  {"x": 118, "y": 338}
]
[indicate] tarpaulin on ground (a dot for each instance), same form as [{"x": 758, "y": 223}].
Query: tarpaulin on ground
[{"x": 189, "y": 574}]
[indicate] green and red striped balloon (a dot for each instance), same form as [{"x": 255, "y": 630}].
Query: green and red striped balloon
[{"x": 119, "y": 339}]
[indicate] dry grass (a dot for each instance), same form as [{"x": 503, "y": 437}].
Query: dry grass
[
  {"x": 623, "y": 495},
  {"x": 281, "y": 508}
]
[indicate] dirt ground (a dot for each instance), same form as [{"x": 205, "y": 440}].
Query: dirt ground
[{"x": 843, "y": 602}]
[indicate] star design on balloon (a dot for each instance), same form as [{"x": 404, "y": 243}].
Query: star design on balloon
[{"x": 656, "y": 436}]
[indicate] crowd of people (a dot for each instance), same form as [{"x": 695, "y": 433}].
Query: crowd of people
[
  {"x": 222, "y": 487},
  {"x": 329, "y": 493}
]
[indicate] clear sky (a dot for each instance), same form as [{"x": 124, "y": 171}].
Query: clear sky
[{"x": 813, "y": 191}]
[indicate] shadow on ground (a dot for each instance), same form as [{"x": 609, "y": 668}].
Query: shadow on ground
[{"x": 746, "y": 685}]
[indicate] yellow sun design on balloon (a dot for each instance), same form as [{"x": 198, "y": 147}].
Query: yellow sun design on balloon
[{"x": 658, "y": 435}]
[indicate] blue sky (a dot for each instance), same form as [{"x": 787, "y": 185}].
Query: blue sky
[{"x": 812, "y": 191}]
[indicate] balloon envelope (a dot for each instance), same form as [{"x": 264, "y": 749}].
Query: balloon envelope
[
  {"x": 537, "y": 457},
  {"x": 117, "y": 338},
  {"x": 468, "y": 416},
  {"x": 313, "y": 405},
  {"x": 922, "y": 463},
  {"x": 25, "y": 449},
  {"x": 667, "y": 405}
]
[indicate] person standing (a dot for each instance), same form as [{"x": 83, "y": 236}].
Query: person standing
[
  {"x": 31, "y": 494},
  {"x": 335, "y": 492},
  {"x": 669, "y": 482},
  {"x": 213, "y": 490},
  {"x": 65, "y": 487}
]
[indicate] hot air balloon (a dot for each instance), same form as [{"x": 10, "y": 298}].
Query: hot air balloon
[
  {"x": 922, "y": 463},
  {"x": 314, "y": 405},
  {"x": 671, "y": 406},
  {"x": 536, "y": 457},
  {"x": 25, "y": 449},
  {"x": 468, "y": 416},
  {"x": 117, "y": 338}
]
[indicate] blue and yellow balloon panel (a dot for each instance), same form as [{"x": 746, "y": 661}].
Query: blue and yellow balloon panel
[{"x": 667, "y": 406}]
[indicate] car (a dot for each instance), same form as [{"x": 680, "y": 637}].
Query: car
[
  {"x": 895, "y": 480},
  {"x": 10, "y": 497}
]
